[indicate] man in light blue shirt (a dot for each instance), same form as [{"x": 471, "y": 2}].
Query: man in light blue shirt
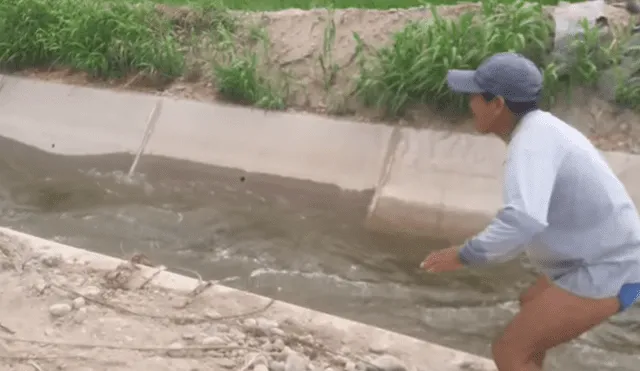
[{"x": 563, "y": 206}]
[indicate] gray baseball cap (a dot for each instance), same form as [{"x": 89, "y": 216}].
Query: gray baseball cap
[{"x": 509, "y": 75}]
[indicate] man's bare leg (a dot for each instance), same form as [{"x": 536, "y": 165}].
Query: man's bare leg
[
  {"x": 541, "y": 284},
  {"x": 550, "y": 318}
]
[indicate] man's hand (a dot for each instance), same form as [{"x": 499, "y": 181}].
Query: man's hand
[{"x": 445, "y": 260}]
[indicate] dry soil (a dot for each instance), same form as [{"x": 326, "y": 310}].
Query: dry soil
[{"x": 60, "y": 316}]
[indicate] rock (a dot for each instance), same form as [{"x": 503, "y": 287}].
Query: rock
[
  {"x": 276, "y": 366},
  {"x": 378, "y": 347},
  {"x": 40, "y": 287},
  {"x": 308, "y": 339},
  {"x": 210, "y": 313},
  {"x": 237, "y": 334},
  {"x": 350, "y": 366},
  {"x": 278, "y": 345},
  {"x": 91, "y": 291},
  {"x": 222, "y": 328},
  {"x": 49, "y": 331},
  {"x": 213, "y": 341},
  {"x": 386, "y": 363},
  {"x": 225, "y": 362},
  {"x": 51, "y": 261},
  {"x": 295, "y": 362},
  {"x": 328, "y": 369},
  {"x": 78, "y": 302},
  {"x": 260, "y": 367},
  {"x": 60, "y": 309},
  {"x": 81, "y": 315},
  {"x": 176, "y": 350},
  {"x": 188, "y": 336},
  {"x": 250, "y": 323},
  {"x": 277, "y": 331},
  {"x": 266, "y": 324}
]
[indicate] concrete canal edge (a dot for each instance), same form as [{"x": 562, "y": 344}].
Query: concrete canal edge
[
  {"x": 428, "y": 183},
  {"x": 426, "y": 356}
]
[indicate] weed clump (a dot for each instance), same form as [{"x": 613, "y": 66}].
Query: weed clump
[
  {"x": 104, "y": 39},
  {"x": 413, "y": 69}
]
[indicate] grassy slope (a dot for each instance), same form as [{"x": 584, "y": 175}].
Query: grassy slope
[
  {"x": 121, "y": 40},
  {"x": 338, "y": 4}
]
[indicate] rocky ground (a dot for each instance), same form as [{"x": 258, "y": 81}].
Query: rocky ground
[{"x": 59, "y": 316}]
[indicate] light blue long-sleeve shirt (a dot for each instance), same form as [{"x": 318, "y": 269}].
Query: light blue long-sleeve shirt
[{"x": 565, "y": 208}]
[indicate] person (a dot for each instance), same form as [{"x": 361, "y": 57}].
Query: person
[{"x": 563, "y": 206}]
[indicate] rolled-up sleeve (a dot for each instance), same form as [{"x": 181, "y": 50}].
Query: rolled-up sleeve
[{"x": 529, "y": 178}]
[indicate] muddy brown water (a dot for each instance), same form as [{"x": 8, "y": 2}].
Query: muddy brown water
[{"x": 299, "y": 242}]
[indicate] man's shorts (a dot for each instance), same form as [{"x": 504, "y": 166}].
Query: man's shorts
[{"x": 629, "y": 294}]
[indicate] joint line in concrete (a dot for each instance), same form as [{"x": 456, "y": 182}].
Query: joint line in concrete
[{"x": 151, "y": 123}]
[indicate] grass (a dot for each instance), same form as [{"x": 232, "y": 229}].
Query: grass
[
  {"x": 256, "y": 5},
  {"x": 104, "y": 41},
  {"x": 121, "y": 38},
  {"x": 406, "y": 73}
]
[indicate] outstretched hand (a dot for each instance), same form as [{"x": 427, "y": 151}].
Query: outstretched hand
[{"x": 445, "y": 260}]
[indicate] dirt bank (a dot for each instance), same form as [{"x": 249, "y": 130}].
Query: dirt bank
[
  {"x": 60, "y": 316},
  {"x": 313, "y": 60}
]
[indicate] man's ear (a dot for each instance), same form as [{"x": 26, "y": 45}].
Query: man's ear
[{"x": 499, "y": 102}]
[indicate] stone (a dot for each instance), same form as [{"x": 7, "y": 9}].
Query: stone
[
  {"x": 266, "y": 324},
  {"x": 222, "y": 328},
  {"x": 189, "y": 336},
  {"x": 250, "y": 323},
  {"x": 91, "y": 291},
  {"x": 350, "y": 366},
  {"x": 276, "y": 366},
  {"x": 237, "y": 334},
  {"x": 213, "y": 341},
  {"x": 51, "y": 261},
  {"x": 81, "y": 315},
  {"x": 40, "y": 287},
  {"x": 278, "y": 345},
  {"x": 176, "y": 350},
  {"x": 78, "y": 302},
  {"x": 277, "y": 331},
  {"x": 225, "y": 362},
  {"x": 60, "y": 309},
  {"x": 260, "y": 367},
  {"x": 386, "y": 363},
  {"x": 295, "y": 362},
  {"x": 378, "y": 347}
]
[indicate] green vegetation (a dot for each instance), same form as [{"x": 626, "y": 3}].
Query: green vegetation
[
  {"x": 256, "y": 5},
  {"x": 406, "y": 73},
  {"x": 105, "y": 41},
  {"x": 125, "y": 38}
]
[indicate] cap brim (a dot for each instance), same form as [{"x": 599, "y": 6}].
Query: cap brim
[{"x": 462, "y": 81}]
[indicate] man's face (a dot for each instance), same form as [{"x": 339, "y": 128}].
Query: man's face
[{"x": 485, "y": 114}]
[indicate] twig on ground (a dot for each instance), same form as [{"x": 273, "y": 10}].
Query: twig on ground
[
  {"x": 32, "y": 357},
  {"x": 202, "y": 287},
  {"x": 33, "y": 364},
  {"x": 6, "y": 329},
  {"x": 250, "y": 362},
  {"x": 162, "y": 268},
  {"x": 175, "y": 319},
  {"x": 124, "y": 347}
]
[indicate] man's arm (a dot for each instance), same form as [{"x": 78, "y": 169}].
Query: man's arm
[{"x": 530, "y": 175}]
